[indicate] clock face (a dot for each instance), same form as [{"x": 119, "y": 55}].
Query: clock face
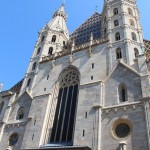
[{"x": 122, "y": 130}]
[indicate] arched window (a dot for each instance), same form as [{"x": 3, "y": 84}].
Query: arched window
[
  {"x": 133, "y": 35},
  {"x": 34, "y": 66},
  {"x": 122, "y": 92},
  {"x": 28, "y": 82},
  {"x": 20, "y": 113},
  {"x": 136, "y": 52},
  {"x": 105, "y": 19},
  {"x": 115, "y": 11},
  {"x": 118, "y": 53},
  {"x": 105, "y": 32},
  {"x": 130, "y": 11},
  {"x": 13, "y": 139},
  {"x": 116, "y": 23},
  {"x": 65, "y": 114},
  {"x": 38, "y": 51},
  {"x": 1, "y": 107},
  {"x": 132, "y": 23},
  {"x": 50, "y": 51},
  {"x": 117, "y": 36},
  {"x": 42, "y": 39},
  {"x": 54, "y": 38}
]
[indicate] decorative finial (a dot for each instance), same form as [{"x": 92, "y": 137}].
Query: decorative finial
[
  {"x": 96, "y": 8},
  {"x": 63, "y": 4},
  {"x": 1, "y": 86}
]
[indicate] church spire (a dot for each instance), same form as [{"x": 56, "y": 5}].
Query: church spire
[
  {"x": 60, "y": 12},
  {"x": 58, "y": 23}
]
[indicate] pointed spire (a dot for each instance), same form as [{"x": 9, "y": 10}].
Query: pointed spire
[{"x": 60, "y": 12}]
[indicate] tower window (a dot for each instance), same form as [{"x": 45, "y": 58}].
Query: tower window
[
  {"x": 47, "y": 77},
  {"x": 116, "y": 23},
  {"x": 38, "y": 51},
  {"x": 105, "y": 32},
  {"x": 42, "y": 39},
  {"x": 115, "y": 11},
  {"x": 54, "y": 38},
  {"x": 28, "y": 82},
  {"x": 1, "y": 107},
  {"x": 122, "y": 93},
  {"x": 136, "y": 52},
  {"x": 105, "y": 19},
  {"x": 83, "y": 133},
  {"x": 132, "y": 23},
  {"x": 130, "y": 11},
  {"x": 91, "y": 77},
  {"x": 13, "y": 139},
  {"x": 50, "y": 52},
  {"x": 92, "y": 65},
  {"x": 133, "y": 35},
  {"x": 117, "y": 36},
  {"x": 20, "y": 113},
  {"x": 34, "y": 66},
  {"x": 118, "y": 53}
]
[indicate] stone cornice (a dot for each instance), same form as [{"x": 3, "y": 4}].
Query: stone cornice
[
  {"x": 17, "y": 123},
  {"x": 76, "y": 49},
  {"x": 124, "y": 107}
]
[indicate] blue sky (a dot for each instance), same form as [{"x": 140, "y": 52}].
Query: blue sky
[{"x": 20, "y": 21}]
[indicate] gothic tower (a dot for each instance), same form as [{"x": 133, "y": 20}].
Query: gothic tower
[{"x": 84, "y": 91}]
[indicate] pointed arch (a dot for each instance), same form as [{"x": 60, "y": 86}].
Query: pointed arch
[
  {"x": 42, "y": 39},
  {"x": 34, "y": 66},
  {"x": 50, "y": 51},
  {"x": 53, "y": 38},
  {"x": 131, "y": 22},
  {"x": 38, "y": 51},
  {"x": 65, "y": 114},
  {"x": 28, "y": 82},
  {"x": 133, "y": 35},
  {"x": 115, "y": 11},
  {"x": 20, "y": 113},
  {"x": 117, "y": 36},
  {"x": 136, "y": 52},
  {"x": 122, "y": 89},
  {"x": 118, "y": 53},
  {"x": 130, "y": 12}
]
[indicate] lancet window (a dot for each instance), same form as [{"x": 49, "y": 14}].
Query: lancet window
[{"x": 65, "y": 114}]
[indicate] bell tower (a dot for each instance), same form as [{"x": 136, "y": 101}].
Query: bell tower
[
  {"x": 51, "y": 40},
  {"x": 121, "y": 24}
]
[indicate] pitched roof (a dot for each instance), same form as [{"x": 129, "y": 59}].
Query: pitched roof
[
  {"x": 91, "y": 25},
  {"x": 15, "y": 89},
  {"x": 147, "y": 45}
]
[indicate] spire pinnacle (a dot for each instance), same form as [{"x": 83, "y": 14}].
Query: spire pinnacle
[{"x": 60, "y": 12}]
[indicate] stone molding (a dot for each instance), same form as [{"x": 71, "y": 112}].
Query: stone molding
[{"x": 124, "y": 107}]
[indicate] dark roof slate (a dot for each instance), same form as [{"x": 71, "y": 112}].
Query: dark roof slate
[
  {"x": 147, "y": 45},
  {"x": 15, "y": 89},
  {"x": 83, "y": 33}
]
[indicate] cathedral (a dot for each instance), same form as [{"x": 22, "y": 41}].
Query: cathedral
[{"x": 88, "y": 90}]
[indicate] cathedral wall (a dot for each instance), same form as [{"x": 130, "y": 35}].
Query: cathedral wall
[
  {"x": 137, "y": 138},
  {"x": 34, "y": 128},
  {"x": 8, "y": 131},
  {"x": 24, "y": 102},
  {"x": 81, "y": 60},
  {"x": 87, "y": 119},
  {"x": 130, "y": 79}
]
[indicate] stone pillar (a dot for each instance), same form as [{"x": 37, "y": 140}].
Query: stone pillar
[
  {"x": 122, "y": 146},
  {"x": 147, "y": 118}
]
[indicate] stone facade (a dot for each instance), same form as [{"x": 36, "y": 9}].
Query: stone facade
[{"x": 89, "y": 90}]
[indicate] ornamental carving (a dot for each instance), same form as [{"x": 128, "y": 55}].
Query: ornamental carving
[{"x": 69, "y": 78}]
